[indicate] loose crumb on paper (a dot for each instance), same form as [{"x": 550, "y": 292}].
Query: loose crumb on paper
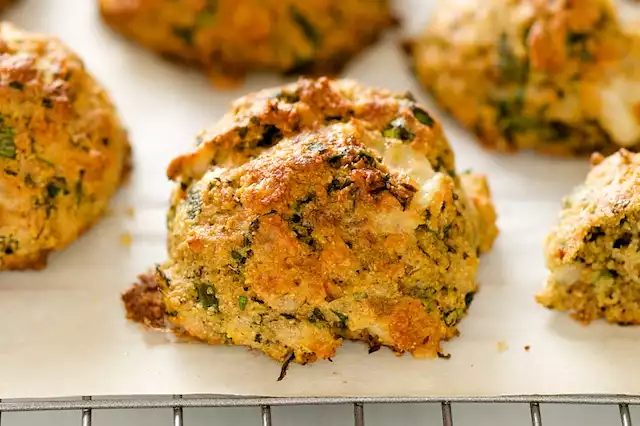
[
  {"x": 527, "y": 348},
  {"x": 130, "y": 212},
  {"x": 502, "y": 346},
  {"x": 126, "y": 240}
]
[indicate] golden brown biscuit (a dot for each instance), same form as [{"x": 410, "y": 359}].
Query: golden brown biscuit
[
  {"x": 63, "y": 151},
  {"x": 318, "y": 211},
  {"x": 560, "y": 77},
  {"x": 234, "y": 36},
  {"x": 593, "y": 251}
]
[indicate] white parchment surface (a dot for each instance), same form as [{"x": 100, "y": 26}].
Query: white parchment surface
[{"x": 63, "y": 330}]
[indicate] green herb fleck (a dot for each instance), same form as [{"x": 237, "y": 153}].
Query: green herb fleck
[
  {"x": 270, "y": 136},
  {"x": 194, "y": 203},
  {"x": 204, "y": 19},
  {"x": 172, "y": 314},
  {"x": 47, "y": 103},
  {"x": 16, "y": 85},
  {"x": 316, "y": 147},
  {"x": 242, "y": 131},
  {"x": 306, "y": 27},
  {"x": 242, "y": 302},
  {"x": 56, "y": 186},
  {"x": 510, "y": 67},
  {"x": 369, "y": 159},
  {"x": 337, "y": 185},
  {"x": 397, "y": 129},
  {"x": 299, "y": 204},
  {"x": 185, "y": 34},
  {"x": 207, "y": 296},
  {"x": 423, "y": 116},
  {"x": 468, "y": 298},
  {"x": 303, "y": 230},
  {"x": 342, "y": 317},
  {"x": 316, "y": 316},
  {"x": 11, "y": 172},
  {"x": 335, "y": 160},
  {"x": 288, "y": 97},
  {"x": 78, "y": 188},
  {"x": 7, "y": 143}
]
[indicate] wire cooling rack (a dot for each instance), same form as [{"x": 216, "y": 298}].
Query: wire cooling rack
[{"x": 88, "y": 404}]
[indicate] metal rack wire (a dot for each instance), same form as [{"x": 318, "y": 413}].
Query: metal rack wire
[{"x": 88, "y": 404}]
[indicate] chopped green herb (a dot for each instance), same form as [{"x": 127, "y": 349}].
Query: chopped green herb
[
  {"x": 16, "y": 85},
  {"x": 242, "y": 254},
  {"x": 270, "y": 136},
  {"x": 207, "y": 296},
  {"x": 303, "y": 230},
  {"x": 397, "y": 129},
  {"x": 47, "y": 103},
  {"x": 172, "y": 314},
  {"x": 335, "y": 160},
  {"x": 7, "y": 143},
  {"x": 44, "y": 160},
  {"x": 299, "y": 204},
  {"x": 11, "y": 172},
  {"x": 368, "y": 158},
  {"x": 242, "y": 302},
  {"x": 342, "y": 317},
  {"x": 194, "y": 202},
  {"x": 242, "y": 131},
  {"x": 56, "y": 186},
  {"x": 468, "y": 298},
  {"x": 204, "y": 19},
  {"x": 337, "y": 185},
  {"x": 306, "y": 27},
  {"x": 290, "y": 98},
  {"x": 185, "y": 34},
  {"x": 316, "y": 316},
  {"x": 316, "y": 147},
  {"x": 78, "y": 188},
  {"x": 423, "y": 116},
  {"x": 511, "y": 68},
  {"x": 258, "y": 338}
]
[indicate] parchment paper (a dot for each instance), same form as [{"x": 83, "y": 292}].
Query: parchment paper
[{"x": 63, "y": 331}]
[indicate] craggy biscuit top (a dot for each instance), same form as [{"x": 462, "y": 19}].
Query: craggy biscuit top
[
  {"x": 62, "y": 149},
  {"x": 561, "y": 77},
  {"x": 609, "y": 193},
  {"x": 319, "y": 210},
  {"x": 233, "y": 36},
  {"x": 592, "y": 253}
]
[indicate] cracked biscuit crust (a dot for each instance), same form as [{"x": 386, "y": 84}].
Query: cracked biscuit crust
[{"x": 319, "y": 211}]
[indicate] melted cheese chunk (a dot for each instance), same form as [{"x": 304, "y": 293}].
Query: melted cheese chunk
[
  {"x": 402, "y": 158},
  {"x": 618, "y": 111}
]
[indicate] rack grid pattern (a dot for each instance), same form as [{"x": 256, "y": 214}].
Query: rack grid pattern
[{"x": 177, "y": 403}]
